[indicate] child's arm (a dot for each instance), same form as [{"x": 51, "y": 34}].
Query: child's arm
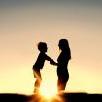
[{"x": 51, "y": 60}]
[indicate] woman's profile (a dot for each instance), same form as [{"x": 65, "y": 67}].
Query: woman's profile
[{"x": 63, "y": 59}]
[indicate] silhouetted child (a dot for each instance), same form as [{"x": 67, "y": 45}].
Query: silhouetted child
[{"x": 42, "y": 47}]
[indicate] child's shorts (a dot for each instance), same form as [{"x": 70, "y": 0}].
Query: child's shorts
[{"x": 37, "y": 74}]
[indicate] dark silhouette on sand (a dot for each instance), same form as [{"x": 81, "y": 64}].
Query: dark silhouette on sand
[
  {"x": 64, "y": 97},
  {"x": 63, "y": 59},
  {"x": 42, "y": 47},
  {"x": 13, "y": 97}
]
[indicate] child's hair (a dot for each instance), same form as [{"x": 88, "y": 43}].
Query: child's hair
[{"x": 42, "y": 46}]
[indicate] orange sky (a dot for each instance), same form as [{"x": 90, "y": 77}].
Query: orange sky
[{"x": 23, "y": 25}]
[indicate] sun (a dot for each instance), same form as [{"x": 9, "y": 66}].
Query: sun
[
  {"x": 49, "y": 93},
  {"x": 48, "y": 90}
]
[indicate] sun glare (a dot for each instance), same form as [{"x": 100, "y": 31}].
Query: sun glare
[
  {"x": 50, "y": 94},
  {"x": 48, "y": 90}
]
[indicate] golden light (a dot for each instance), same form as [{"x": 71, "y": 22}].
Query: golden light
[
  {"x": 49, "y": 93},
  {"x": 48, "y": 90}
]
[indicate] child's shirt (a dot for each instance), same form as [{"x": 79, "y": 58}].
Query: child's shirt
[{"x": 40, "y": 61}]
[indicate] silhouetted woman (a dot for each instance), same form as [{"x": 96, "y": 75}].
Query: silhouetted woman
[
  {"x": 63, "y": 59},
  {"x": 42, "y": 47}
]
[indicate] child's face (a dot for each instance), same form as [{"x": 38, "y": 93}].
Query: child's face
[{"x": 44, "y": 49}]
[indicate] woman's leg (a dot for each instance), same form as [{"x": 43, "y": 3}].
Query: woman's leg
[
  {"x": 61, "y": 83},
  {"x": 61, "y": 86}
]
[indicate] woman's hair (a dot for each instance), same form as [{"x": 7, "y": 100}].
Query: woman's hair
[
  {"x": 42, "y": 46},
  {"x": 64, "y": 46}
]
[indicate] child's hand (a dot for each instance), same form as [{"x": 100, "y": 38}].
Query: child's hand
[{"x": 53, "y": 63}]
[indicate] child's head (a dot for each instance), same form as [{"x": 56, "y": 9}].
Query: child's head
[{"x": 42, "y": 46}]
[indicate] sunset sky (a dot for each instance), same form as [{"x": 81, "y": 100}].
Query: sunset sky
[{"x": 23, "y": 23}]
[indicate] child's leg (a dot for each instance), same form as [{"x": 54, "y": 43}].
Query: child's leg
[{"x": 37, "y": 84}]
